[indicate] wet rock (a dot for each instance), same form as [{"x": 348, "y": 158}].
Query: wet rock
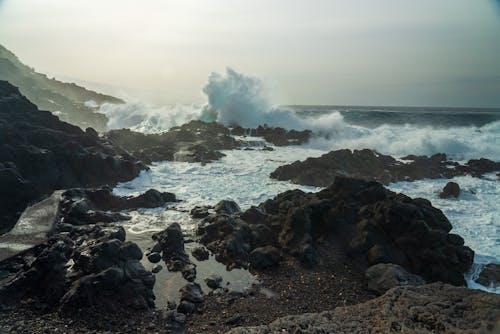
[
  {"x": 156, "y": 269},
  {"x": 195, "y": 141},
  {"x": 384, "y": 276},
  {"x": 451, "y": 189},
  {"x": 264, "y": 257},
  {"x": 154, "y": 257},
  {"x": 227, "y": 207},
  {"x": 40, "y": 154},
  {"x": 362, "y": 218},
  {"x": 186, "y": 307},
  {"x": 130, "y": 251},
  {"x": 490, "y": 276},
  {"x": 213, "y": 281},
  {"x": 371, "y": 165},
  {"x": 192, "y": 292},
  {"x": 171, "y": 242},
  {"x": 199, "y": 212},
  {"x": 200, "y": 253}
]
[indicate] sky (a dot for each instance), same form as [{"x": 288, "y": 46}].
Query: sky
[{"x": 359, "y": 52}]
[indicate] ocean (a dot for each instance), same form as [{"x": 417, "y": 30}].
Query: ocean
[{"x": 243, "y": 176}]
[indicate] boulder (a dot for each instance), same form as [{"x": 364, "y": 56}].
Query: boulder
[
  {"x": 490, "y": 276},
  {"x": 451, "y": 189},
  {"x": 384, "y": 276},
  {"x": 192, "y": 292},
  {"x": 264, "y": 257},
  {"x": 227, "y": 207},
  {"x": 213, "y": 281}
]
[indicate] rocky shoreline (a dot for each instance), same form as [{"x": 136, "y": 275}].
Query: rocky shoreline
[{"x": 353, "y": 257}]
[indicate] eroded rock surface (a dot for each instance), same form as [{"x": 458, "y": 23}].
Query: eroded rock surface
[{"x": 432, "y": 308}]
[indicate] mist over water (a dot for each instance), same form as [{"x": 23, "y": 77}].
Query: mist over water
[{"x": 234, "y": 98}]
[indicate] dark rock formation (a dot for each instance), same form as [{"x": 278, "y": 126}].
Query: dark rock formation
[
  {"x": 227, "y": 207},
  {"x": 264, "y": 257},
  {"x": 276, "y": 136},
  {"x": 200, "y": 253},
  {"x": 171, "y": 243},
  {"x": 451, "y": 189},
  {"x": 66, "y": 100},
  {"x": 89, "y": 206},
  {"x": 39, "y": 153},
  {"x": 384, "y": 276},
  {"x": 195, "y": 141},
  {"x": 432, "y": 308},
  {"x": 105, "y": 274},
  {"x": 370, "y": 165},
  {"x": 490, "y": 276},
  {"x": 191, "y": 296},
  {"x": 372, "y": 224},
  {"x": 213, "y": 281}
]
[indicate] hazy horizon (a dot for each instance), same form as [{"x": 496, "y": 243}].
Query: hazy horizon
[{"x": 391, "y": 53}]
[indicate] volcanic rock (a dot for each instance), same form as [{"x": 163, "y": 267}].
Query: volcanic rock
[
  {"x": 370, "y": 223},
  {"x": 371, "y": 165},
  {"x": 432, "y": 308},
  {"x": 451, "y": 189}
]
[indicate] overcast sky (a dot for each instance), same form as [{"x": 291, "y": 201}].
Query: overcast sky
[{"x": 364, "y": 52}]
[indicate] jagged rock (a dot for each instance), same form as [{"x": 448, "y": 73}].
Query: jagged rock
[
  {"x": 195, "y": 141},
  {"x": 490, "y": 276},
  {"x": 213, "y": 281},
  {"x": 371, "y": 165},
  {"x": 432, "y": 308},
  {"x": 171, "y": 243},
  {"x": 200, "y": 253},
  {"x": 40, "y": 154},
  {"x": 451, "y": 189},
  {"x": 227, "y": 207},
  {"x": 264, "y": 257},
  {"x": 384, "y": 276},
  {"x": 192, "y": 292},
  {"x": 200, "y": 211},
  {"x": 106, "y": 273},
  {"x": 368, "y": 222}
]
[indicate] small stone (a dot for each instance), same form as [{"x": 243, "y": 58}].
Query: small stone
[
  {"x": 154, "y": 257},
  {"x": 200, "y": 253},
  {"x": 156, "y": 269},
  {"x": 186, "y": 307},
  {"x": 213, "y": 281}
]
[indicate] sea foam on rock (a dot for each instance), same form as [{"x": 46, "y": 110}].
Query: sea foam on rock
[{"x": 371, "y": 224}]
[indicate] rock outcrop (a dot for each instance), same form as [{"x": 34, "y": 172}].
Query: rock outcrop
[
  {"x": 432, "y": 308},
  {"x": 195, "y": 141},
  {"x": 276, "y": 136},
  {"x": 371, "y": 224},
  {"x": 39, "y": 153},
  {"x": 490, "y": 276},
  {"x": 85, "y": 262},
  {"x": 451, "y": 189},
  {"x": 370, "y": 165}
]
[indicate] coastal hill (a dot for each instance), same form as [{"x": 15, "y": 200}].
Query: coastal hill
[{"x": 65, "y": 100}]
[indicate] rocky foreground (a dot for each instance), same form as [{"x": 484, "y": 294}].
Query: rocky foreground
[
  {"x": 370, "y": 165},
  {"x": 433, "y": 308}
]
